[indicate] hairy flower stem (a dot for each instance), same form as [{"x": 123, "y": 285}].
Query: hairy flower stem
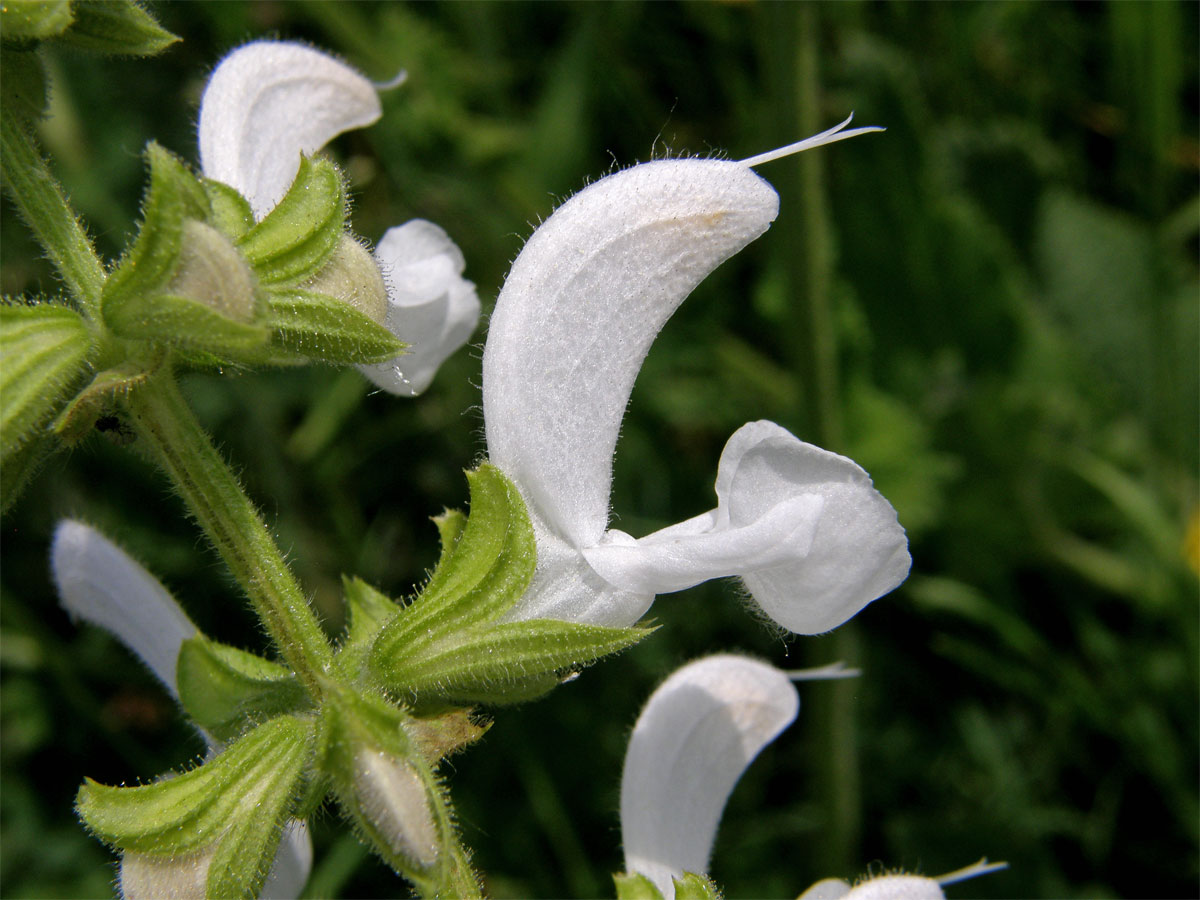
[
  {"x": 837, "y": 721},
  {"x": 44, "y": 207},
  {"x": 175, "y": 440},
  {"x": 793, "y": 40}
]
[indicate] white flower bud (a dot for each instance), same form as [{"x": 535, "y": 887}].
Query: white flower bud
[
  {"x": 352, "y": 275},
  {"x": 212, "y": 272},
  {"x": 147, "y": 877},
  {"x": 394, "y": 800}
]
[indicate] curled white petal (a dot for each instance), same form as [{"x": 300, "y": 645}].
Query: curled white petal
[
  {"x": 270, "y": 101},
  {"x": 293, "y": 862},
  {"x": 430, "y": 306},
  {"x": 99, "y": 583},
  {"x": 859, "y": 551},
  {"x": 690, "y": 745},
  {"x": 804, "y": 528},
  {"x": 578, "y": 313},
  {"x": 661, "y": 563}
]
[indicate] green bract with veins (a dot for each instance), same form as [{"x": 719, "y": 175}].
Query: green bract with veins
[
  {"x": 44, "y": 348},
  {"x": 689, "y": 886},
  {"x": 372, "y": 729},
  {"x": 451, "y": 644},
  {"x": 201, "y": 284},
  {"x": 205, "y": 280},
  {"x": 103, "y": 26},
  {"x": 217, "y": 825}
]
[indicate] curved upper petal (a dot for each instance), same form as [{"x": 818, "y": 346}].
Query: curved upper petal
[
  {"x": 265, "y": 104},
  {"x": 690, "y": 745},
  {"x": 98, "y": 582},
  {"x": 579, "y": 310},
  {"x": 804, "y": 528},
  {"x": 430, "y": 306}
]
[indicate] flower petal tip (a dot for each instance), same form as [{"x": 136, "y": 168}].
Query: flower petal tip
[
  {"x": 268, "y": 102},
  {"x": 101, "y": 584},
  {"x": 430, "y": 305},
  {"x": 697, "y": 734}
]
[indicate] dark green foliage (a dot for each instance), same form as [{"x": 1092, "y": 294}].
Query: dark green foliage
[{"x": 1014, "y": 302}]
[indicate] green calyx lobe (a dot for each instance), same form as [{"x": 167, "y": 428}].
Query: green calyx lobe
[
  {"x": 449, "y": 645},
  {"x": 299, "y": 235},
  {"x": 34, "y": 20},
  {"x": 224, "y": 816},
  {"x": 688, "y": 886},
  {"x": 173, "y": 196},
  {"x": 324, "y": 327},
  {"x": 103, "y": 26},
  {"x": 225, "y": 690},
  {"x": 43, "y": 351},
  {"x": 183, "y": 283},
  {"x": 99, "y": 397},
  {"x": 116, "y": 26},
  {"x": 289, "y": 251},
  {"x": 692, "y": 886},
  {"x": 635, "y": 886},
  {"x": 385, "y": 783}
]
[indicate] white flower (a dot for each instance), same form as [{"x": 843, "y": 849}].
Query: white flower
[
  {"x": 270, "y": 101},
  {"x": 897, "y": 886},
  {"x": 427, "y": 296},
  {"x": 883, "y": 887},
  {"x": 697, "y": 734},
  {"x": 803, "y": 527},
  {"x": 99, "y": 583}
]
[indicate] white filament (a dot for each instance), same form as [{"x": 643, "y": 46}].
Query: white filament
[{"x": 831, "y": 136}]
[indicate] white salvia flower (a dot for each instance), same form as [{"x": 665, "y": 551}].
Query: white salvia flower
[
  {"x": 427, "y": 296},
  {"x": 803, "y": 527},
  {"x": 885, "y": 887},
  {"x": 693, "y": 740},
  {"x": 898, "y": 886},
  {"x": 690, "y": 745},
  {"x": 270, "y": 101},
  {"x": 99, "y": 583}
]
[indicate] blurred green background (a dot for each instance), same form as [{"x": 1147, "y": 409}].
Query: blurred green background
[{"x": 992, "y": 307}]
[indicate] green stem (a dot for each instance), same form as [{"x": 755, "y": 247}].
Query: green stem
[
  {"x": 45, "y": 208},
  {"x": 792, "y": 40},
  {"x": 213, "y": 495},
  {"x": 836, "y": 712}
]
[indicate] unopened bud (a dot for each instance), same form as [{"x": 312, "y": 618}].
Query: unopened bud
[
  {"x": 352, "y": 275},
  {"x": 393, "y": 798},
  {"x": 212, "y": 272}
]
